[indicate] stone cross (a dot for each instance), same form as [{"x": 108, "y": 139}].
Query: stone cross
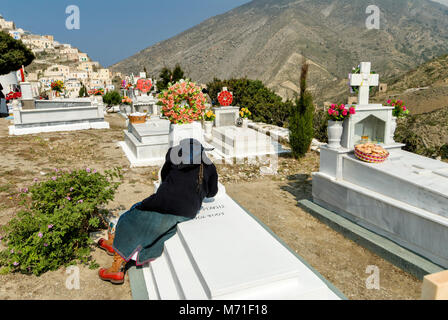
[{"x": 364, "y": 80}]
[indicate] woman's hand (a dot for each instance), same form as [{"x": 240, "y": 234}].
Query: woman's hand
[{"x": 135, "y": 205}]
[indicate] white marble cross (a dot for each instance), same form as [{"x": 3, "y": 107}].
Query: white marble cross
[{"x": 364, "y": 80}]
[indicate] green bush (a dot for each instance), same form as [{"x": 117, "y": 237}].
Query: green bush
[
  {"x": 301, "y": 126},
  {"x": 13, "y": 54},
  {"x": 320, "y": 123},
  {"x": 112, "y": 98},
  {"x": 53, "y": 228},
  {"x": 168, "y": 76},
  {"x": 264, "y": 104}
]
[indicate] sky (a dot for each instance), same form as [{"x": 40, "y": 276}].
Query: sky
[{"x": 112, "y": 30}]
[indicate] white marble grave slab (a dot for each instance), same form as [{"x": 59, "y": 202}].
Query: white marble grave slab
[
  {"x": 404, "y": 198},
  {"x": 226, "y": 254},
  {"x": 57, "y": 119},
  {"x": 146, "y": 144},
  {"x": 238, "y": 142}
]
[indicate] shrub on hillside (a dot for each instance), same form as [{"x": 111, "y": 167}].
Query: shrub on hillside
[
  {"x": 264, "y": 104},
  {"x": 320, "y": 123},
  {"x": 444, "y": 151},
  {"x": 53, "y": 228}
]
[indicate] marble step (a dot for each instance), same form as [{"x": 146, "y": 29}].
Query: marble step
[
  {"x": 183, "y": 270},
  {"x": 164, "y": 281},
  {"x": 239, "y": 138},
  {"x": 245, "y": 149},
  {"x": 150, "y": 281},
  {"x": 424, "y": 189}
]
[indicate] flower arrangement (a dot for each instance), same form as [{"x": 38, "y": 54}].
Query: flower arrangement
[
  {"x": 126, "y": 100},
  {"x": 96, "y": 92},
  {"x": 245, "y": 113},
  {"x": 13, "y": 95},
  {"x": 58, "y": 86},
  {"x": 340, "y": 112},
  {"x": 183, "y": 102},
  {"x": 400, "y": 110},
  {"x": 209, "y": 116},
  {"x": 357, "y": 70}
]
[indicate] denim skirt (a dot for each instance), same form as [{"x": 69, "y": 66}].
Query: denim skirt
[{"x": 144, "y": 232}]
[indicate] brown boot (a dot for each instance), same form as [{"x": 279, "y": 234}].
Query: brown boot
[
  {"x": 115, "y": 273},
  {"x": 106, "y": 245}
]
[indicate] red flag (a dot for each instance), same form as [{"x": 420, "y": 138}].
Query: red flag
[{"x": 22, "y": 74}]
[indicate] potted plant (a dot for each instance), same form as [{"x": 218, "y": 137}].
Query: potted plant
[
  {"x": 336, "y": 116},
  {"x": 245, "y": 114},
  {"x": 183, "y": 103},
  {"x": 209, "y": 117},
  {"x": 400, "y": 111}
]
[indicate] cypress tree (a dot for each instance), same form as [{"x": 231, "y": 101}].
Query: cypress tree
[{"x": 301, "y": 129}]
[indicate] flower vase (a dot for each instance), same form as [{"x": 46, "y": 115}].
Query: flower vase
[
  {"x": 179, "y": 132},
  {"x": 245, "y": 123},
  {"x": 208, "y": 127},
  {"x": 393, "y": 127},
  {"x": 335, "y": 130}
]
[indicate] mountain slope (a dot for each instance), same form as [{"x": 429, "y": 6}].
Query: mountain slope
[
  {"x": 265, "y": 39},
  {"x": 424, "y": 89}
]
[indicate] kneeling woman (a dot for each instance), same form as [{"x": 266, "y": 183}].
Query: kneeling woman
[{"x": 187, "y": 178}]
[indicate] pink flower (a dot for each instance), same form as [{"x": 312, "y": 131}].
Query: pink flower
[
  {"x": 40, "y": 235},
  {"x": 35, "y": 180},
  {"x": 71, "y": 189},
  {"x": 404, "y": 108},
  {"x": 53, "y": 178},
  {"x": 68, "y": 198},
  {"x": 16, "y": 263},
  {"x": 342, "y": 107},
  {"x": 45, "y": 244},
  {"x": 344, "y": 112},
  {"x": 25, "y": 190},
  {"x": 81, "y": 201},
  {"x": 12, "y": 251},
  {"x": 50, "y": 226},
  {"x": 330, "y": 111},
  {"x": 352, "y": 110},
  {"x": 94, "y": 171},
  {"x": 389, "y": 101},
  {"x": 336, "y": 113},
  {"x": 333, "y": 106},
  {"x": 88, "y": 170}
]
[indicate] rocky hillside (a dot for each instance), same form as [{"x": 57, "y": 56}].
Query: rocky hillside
[
  {"x": 265, "y": 39},
  {"x": 424, "y": 89}
]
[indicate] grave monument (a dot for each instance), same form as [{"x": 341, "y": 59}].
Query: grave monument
[
  {"x": 404, "y": 199},
  {"x": 32, "y": 116}
]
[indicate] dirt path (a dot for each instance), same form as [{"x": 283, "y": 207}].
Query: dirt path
[{"x": 272, "y": 199}]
